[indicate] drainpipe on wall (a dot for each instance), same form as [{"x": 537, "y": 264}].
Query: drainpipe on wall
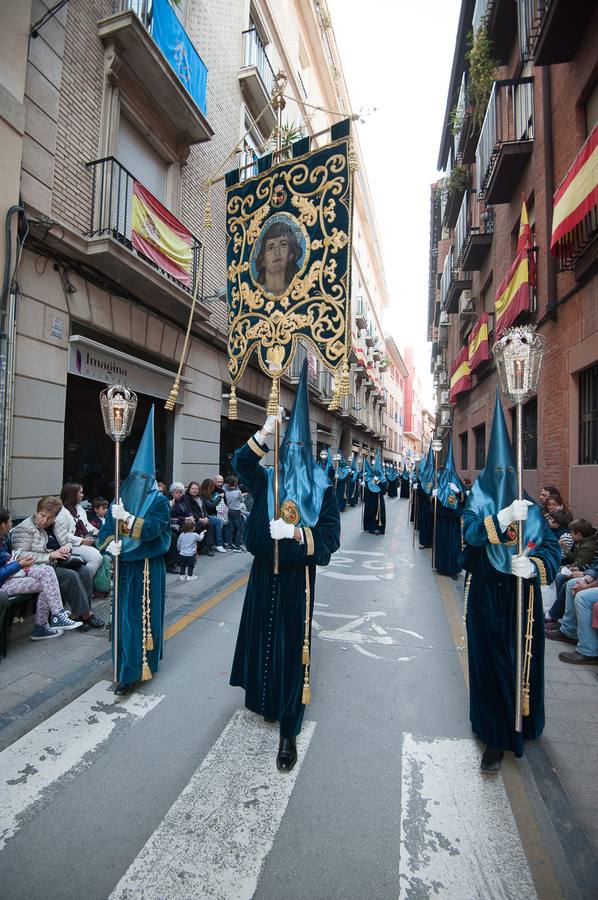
[{"x": 551, "y": 304}]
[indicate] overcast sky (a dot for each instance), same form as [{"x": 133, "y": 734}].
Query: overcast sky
[{"x": 397, "y": 57}]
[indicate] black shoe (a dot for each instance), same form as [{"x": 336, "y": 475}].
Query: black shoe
[
  {"x": 94, "y": 622},
  {"x": 84, "y": 625},
  {"x": 122, "y": 689},
  {"x": 491, "y": 760},
  {"x": 287, "y": 754},
  {"x": 270, "y": 721}
]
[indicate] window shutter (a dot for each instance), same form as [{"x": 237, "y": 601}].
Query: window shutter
[{"x": 142, "y": 161}]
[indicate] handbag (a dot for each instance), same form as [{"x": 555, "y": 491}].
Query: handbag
[
  {"x": 102, "y": 581},
  {"x": 73, "y": 563},
  {"x": 222, "y": 511}
]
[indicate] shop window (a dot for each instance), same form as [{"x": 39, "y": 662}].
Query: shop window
[
  {"x": 479, "y": 436},
  {"x": 588, "y": 416},
  {"x": 463, "y": 440}
]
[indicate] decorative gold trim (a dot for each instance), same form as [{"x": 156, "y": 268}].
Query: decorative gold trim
[
  {"x": 491, "y": 531},
  {"x": 255, "y": 448},
  {"x": 105, "y": 543},
  {"x": 309, "y": 541},
  {"x": 136, "y": 529},
  {"x": 541, "y": 569}
]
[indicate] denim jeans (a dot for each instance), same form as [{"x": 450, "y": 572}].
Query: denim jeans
[
  {"x": 577, "y": 621},
  {"x": 216, "y": 523},
  {"x": 558, "y": 607},
  {"x": 235, "y": 524}
]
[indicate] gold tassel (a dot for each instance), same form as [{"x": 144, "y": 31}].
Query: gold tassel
[
  {"x": 306, "y": 694},
  {"x": 207, "y": 213},
  {"x": 527, "y": 663},
  {"x": 147, "y": 639},
  {"x": 352, "y": 157},
  {"x": 464, "y": 621},
  {"x": 232, "y": 403},
  {"x": 345, "y": 386},
  {"x": 149, "y": 642},
  {"x": 172, "y": 397},
  {"x": 273, "y": 399},
  {"x": 335, "y": 402},
  {"x": 146, "y": 672}
]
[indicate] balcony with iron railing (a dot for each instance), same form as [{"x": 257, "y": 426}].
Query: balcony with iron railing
[
  {"x": 456, "y": 182},
  {"x": 175, "y": 80},
  {"x": 499, "y": 18},
  {"x": 506, "y": 140},
  {"x": 256, "y": 77},
  {"x": 473, "y": 232},
  {"x": 361, "y": 312},
  {"x": 111, "y": 237},
  {"x": 550, "y": 31},
  {"x": 453, "y": 282}
]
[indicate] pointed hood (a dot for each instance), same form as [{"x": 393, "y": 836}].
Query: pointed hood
[
  {"x": 343, "y": 467},
  {"x": 496, "y": 487},
  {"x": 353, "y": 469},
  {"x": 426, "y": 471},
  {"x": 139, "y": 490},
  {"x": 379, "y": 468},
  {"x": 448, "y": 476},
  {"x": 301, "y": 480}
]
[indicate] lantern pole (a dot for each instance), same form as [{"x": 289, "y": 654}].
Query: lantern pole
[
  {"x": 118, "y": 405},
  {"x": 518, "y": 356}
]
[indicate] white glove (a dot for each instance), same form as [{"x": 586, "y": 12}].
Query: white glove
[
  {"x": 280, "y": 529},
  {"x": 270, "y": 424},
  {"x": 119, "y": 513},
  {"x": 522, "y": 567},
  {"x": 435, "y": 492},
  {"x": 516, "y": 512},
  {"x": 454, "y": 487},
  {"x": 114, "y": 548}
]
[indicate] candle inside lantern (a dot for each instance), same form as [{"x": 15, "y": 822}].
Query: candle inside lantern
[{"x": 518, "y": 373}]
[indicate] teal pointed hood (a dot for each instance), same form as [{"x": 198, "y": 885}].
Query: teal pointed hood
[
  {"x": 426, "y": 471},
  {"x": 446, "y": 494},
  {"x": 369, "y": 475},
  {"x": 343, "y": 467},
  {"x": 353, "y": 469},
  {"x": 139, "y": 490},
  {"x": 379, "y": 468},
  {"x": 301, "y": 479},
  {"x": 496, "y": 487}
]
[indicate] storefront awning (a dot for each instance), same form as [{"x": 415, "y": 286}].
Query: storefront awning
[{"x": 98, "y": 362}]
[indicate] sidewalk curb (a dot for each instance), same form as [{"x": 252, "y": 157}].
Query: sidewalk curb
[{"x": 101, "y": 666}]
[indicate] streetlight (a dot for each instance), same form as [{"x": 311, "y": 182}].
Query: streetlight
[
  {"x": 118, "y": 405},
  {"x": 518, "y": 355}
]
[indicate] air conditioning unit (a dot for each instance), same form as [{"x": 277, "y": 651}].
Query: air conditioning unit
[
  {"x": 445, "y": 418},
  {"x": 467, "y": 304},
  {"x": 444, "y": 318}
]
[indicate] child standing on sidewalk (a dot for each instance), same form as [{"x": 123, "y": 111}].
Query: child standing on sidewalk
[
  {"x": 187, "y": 546},
  {"x": 236, "y": 508}
]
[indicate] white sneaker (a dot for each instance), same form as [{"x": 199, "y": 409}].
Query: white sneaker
[
  {"x": 191, "y": 577},
  {"x": 182, "y": 577},
  {"x": 220, "y": 549}
]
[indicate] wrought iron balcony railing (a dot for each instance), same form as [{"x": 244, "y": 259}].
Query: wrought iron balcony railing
[
  {"x": 111, "y": 207},
  {"x": 254, "y": 54},
  {"x": 506, "y": 139},
  {"x": 473, "y": 232}
]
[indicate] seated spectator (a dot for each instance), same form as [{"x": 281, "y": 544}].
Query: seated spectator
[
  {"x": 187, "y": 545},
  {"x": 162, "y": 488},
  {"x": 555, "y": 502},
  {"x": 79, "y": 533},
  {"x": 99, "y": 508},
  {"x": 21, "y": 576},
  {"x": 577, "y": 560},
  {"x": 558, "y": 521},
  {"x": 38, "y": 537},
  {"x": 190, "y": 505},
  {"x": 549, "y": 490},
  {"x": 210, "y": 505},
  {"x": 577, "y": 626},
  {"x": 236, "y": 508}
]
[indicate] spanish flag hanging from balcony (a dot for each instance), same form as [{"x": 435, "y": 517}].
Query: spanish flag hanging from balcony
[
  {"x": 575, "y": 198},
  {"x": 478, "y": 344},
  {"x": 514, "y": 291},
  {"x": 460, "y": 374},
  {"x": 156, "y": 233}
]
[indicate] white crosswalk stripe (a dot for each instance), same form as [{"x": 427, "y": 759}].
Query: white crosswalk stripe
[
  {"x": 60, "y": 747},
  {"x": 459, "y": 839},
  {"x": 214, "y": 839}
]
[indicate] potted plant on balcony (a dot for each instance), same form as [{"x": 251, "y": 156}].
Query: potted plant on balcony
[{"x": 482, "y": 72}]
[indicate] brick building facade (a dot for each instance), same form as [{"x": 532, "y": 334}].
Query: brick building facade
[
  {"x": 100, "y": 103},
  {"x": 542, "y": 107}
]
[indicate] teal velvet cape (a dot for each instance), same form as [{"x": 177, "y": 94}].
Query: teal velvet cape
[
  {"x": 154, "y": 542},
  {"x": 342, "y": 491},
  {"x": 374, "y": 509},
  {"x": 267, "y": 660},
  {"x": 491, "y": 609}
]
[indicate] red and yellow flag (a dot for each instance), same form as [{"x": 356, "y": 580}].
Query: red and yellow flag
[
  {"x": 575, "y": 197},
  {"x": 479, "y": 344},
  {"x": 158, "y": 235},
  {"x": 460, "y": 374},
  {"x": 513, "y": 294}
]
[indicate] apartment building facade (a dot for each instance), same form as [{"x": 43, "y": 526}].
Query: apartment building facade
[
  {"x": 102, "y": 108},
  {"x": 412, "y": 434},
  {"x": 519, "y": 140},
  {"x": 394, "y": 415}
]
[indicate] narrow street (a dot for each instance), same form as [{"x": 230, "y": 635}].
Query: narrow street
[{"x": 175, "y": 794}]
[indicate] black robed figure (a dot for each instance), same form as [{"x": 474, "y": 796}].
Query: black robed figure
[
  {"x": 450, "y": 497},
  {"x": 273, "y": 652},
  {"x": 374, "y": 488},
  {"x": 425, "y": 486},
  {"x": 490, "y": 519}
]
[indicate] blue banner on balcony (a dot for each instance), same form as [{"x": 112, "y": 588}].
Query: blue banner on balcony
[{"x": 175, "y": 44}]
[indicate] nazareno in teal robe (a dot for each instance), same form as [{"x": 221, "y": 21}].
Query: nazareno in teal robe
[
  {"x": 374, "y": 510},
  {"x": 424, "y": 520},
  {"x": 491, "y": 611},
  {"x": 447, "y": 556},
  {"x": 268, "y": 655},
  {"x": 154, "y": 534}
]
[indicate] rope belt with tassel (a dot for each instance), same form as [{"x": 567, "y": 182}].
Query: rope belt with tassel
[
  {"x": 527, "y": 658},
  {"x": 305, "y": 659},
  {"x": 147, "y": 638}
]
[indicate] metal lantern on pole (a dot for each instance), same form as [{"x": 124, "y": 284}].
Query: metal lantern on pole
[
  {"x": 118, "y": 405},
  {"x": 436, "y": 448},
  {"x": 518, "y": 356}
]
